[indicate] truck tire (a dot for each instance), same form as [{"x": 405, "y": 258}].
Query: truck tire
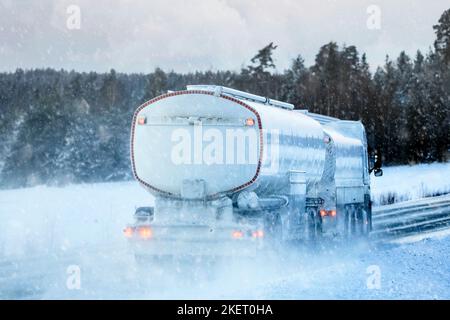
[
  {"x": 349, "y": 221},
  {"x": 356, "y": 221},
  {"x": 363, "y": 222},
  {"x": 313, "y": 224},
  {"x": 273, "y": 228}
]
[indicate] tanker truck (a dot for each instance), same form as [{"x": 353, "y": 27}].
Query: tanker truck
[{"x": 233, "y": 172}]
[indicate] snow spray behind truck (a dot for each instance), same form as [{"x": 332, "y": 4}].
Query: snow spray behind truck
[{"x": 232, "y": 172}]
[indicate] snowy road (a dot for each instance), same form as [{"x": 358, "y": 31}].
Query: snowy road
[
  {"x": 47, "y": 233},
  {"x": 415, "y": 267},
  {"x": 416, "y": 270}
]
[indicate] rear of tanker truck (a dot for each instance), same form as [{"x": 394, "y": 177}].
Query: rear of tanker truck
[
  {"x": 191, "y": 150},
  {"x": 233, "y": 172}
]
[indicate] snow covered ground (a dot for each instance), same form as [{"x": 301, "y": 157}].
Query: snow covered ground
[
  {"x": 46, "y": 230},
  {"x": 44, "y": 219},
  {"x": 417, "y": 270},
  {"x": 401, "y": 183}
]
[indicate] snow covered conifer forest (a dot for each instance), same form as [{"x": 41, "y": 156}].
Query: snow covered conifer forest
[{"x": 61, "y": 127}]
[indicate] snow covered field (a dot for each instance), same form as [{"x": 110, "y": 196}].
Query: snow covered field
[
  {"x": 401, "y": 183},
  {"x": 44, "y": 230},
  {"x": 44, "y": 219}
]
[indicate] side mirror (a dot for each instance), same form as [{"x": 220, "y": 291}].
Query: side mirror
[
  {"x": 375, "y": 163},
  {"x": 378, "y": 172},
  {"x": 371, "y": 162}
]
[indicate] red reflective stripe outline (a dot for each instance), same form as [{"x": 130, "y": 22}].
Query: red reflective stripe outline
[{"x": 176, "y": 93}]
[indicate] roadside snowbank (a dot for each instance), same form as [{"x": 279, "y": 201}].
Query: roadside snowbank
[
  {"x": 51, "y": 219},
  {"x": 402, "y": 183}
]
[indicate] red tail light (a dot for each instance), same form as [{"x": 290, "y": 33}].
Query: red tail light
[
  {"x": 330, "y": 213},
  {"x": 145, "y": 232},
  {"x": 237, "y": 234},
  {"x": 258, "y": 234},
  {"x": 128, "y": 232}
]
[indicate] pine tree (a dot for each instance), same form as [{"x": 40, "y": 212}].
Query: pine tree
[
  {"x": 157, "y": 84},
  {"x": 262, "y": 61},
  {"x": 418, "y": 131},
  {"x": 258, "y": 73},
  {"x": 294, "y": 88},
  {"x": 442, "y": 42},
  {"x": 326, "y": 76},
  {"x": 32, "y": 158}
]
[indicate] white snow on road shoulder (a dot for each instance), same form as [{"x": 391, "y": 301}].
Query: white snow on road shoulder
[
  {"x": 411, "y": 182},
  {"x": 51, "y": 219}
]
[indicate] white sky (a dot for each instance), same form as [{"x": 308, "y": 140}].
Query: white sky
[{"x": 182, "y": 35}]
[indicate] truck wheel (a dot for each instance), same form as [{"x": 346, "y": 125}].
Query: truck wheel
[
  {"x": 368, "y": 209},
  {"x": 314, "y": 225},
  {"x": 363, "y": 222},
  {"x": 349, "y": 221},
  {"x": 356, "y": 222},
  {"x": 272, "y": 227}
]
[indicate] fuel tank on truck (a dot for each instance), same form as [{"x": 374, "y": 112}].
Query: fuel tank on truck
[{"x": 202, "y": 143}]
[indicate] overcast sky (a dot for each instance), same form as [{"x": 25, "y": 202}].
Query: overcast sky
[{"x": 181, "y": 35}]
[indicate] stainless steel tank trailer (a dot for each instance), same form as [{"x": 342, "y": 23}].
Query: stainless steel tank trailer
[{"x": 232, "y": 172}]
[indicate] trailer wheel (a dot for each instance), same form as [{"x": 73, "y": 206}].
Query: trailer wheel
[
  {"x": 272, "y": 227},
  {"x": 356, "y": 221},
  {"x": 314, "y": 225},
  {"x": 349, "y": 221},
  {"x": 363, "y": 222}
]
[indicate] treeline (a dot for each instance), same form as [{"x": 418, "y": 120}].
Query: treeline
[{"x": 60, "y": 127}]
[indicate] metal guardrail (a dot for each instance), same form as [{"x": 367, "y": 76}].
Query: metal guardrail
[{"x": 411, "y": 217}]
